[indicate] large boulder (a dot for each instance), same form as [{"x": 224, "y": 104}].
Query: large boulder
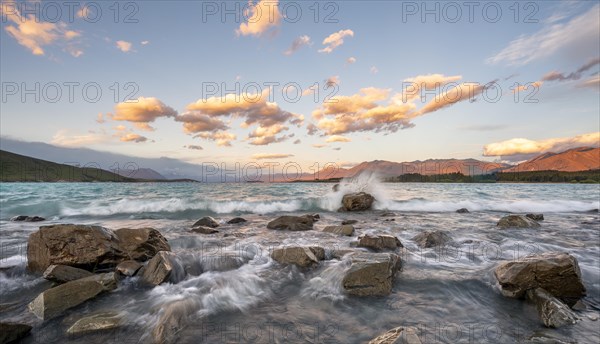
[
  {"x": 292, "y": 223},
  {"x": 237, "y": 220},
  {"x": 357, "y": 201},
  {"x": 97, "y": 322},
  {"x": 128, "y": 268},
  {"x": 379, "y": 242},
  {"x": 297, "y": 255},
  {"x": 517, "y": 221},
  {"x": 556, "y": 272},
  {"x": 64, "y": 273},
  {"x": 430, "y": 239},
  {"x": 371, "y": 274},
  {"x": 551, "y": 310},
  {"x": 206, "y": 221},
  {"x": 398, "y": 335},
  {"x": 163, "y": 267},
  {"x": 346, "y": 230},
  {"x": 12, "y": 332},
  {"x": 55, "y": 301},
  {"x": 82, "y": 246},
  {"x": 141, "y": 244}
]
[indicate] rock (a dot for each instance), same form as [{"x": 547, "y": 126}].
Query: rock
[
  {"x": 318, "y": 251},
  {"x": 314, "y": 217},
  {"x": 551, "y": 310},
  {"x": 54, "y": 301},
  {"x": 429, "y": 239},
  {"x": 346, "y": 230},
  {"x": 398, "y": 335},
  {"x": 517, "y": 221},
  {"x": 24, "y": 218},
  {"x": 357, "y": 201},
  {"x": 536, "y": 217},
  {"x": 173, "y": 318},
  {"x": 141, "y": 244},
  {"x": 339, "y": 254},
  {"x": 300, "y": 256},
  {"x": 388, "y": 214},
  {"x": 292, "y": 223},
  {"x": 64, "y": 273},
  {"x": 221, "y": 262},
  {"x": 163, "y": 267},
  {"x": 128, "y": 268},
  {"x": 204, "y": 230},
  {"x": 335, "y": 187},
  {"x": 237, "y": 220},
  {"x": 97, "y": 322},
  {"x": 556, "y": 272},
  {"x": 81, "y": 246},
  {"x": 206, "y": 221},
  {"x": 371, "y": 274},
  {"x": 379, "y": 242},
  {"x": 19, "y": 218},
  {"x": 349, "y": 222},
  {"x": 463, "y": 211},
  {"x": 12, "y": 332}
]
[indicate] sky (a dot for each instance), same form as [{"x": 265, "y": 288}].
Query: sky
[{"x": 310, "y": 82}]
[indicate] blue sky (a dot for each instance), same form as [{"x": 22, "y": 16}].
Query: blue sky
[{"x": 176, "y": 47}]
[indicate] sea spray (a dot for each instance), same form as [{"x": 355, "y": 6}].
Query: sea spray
[{"x": 367, "y": 181}]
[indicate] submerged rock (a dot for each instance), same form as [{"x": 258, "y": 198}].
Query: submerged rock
[
  {"x": 164, "y": 267},
  {"x": 141, "y": 244},
  {"x": 173, "y": 318},
  {"x": 357, "y": 201},
  {"x": 292, "y": 223},
  {"x": 237, "y": 220},
  {"x": 206, "y": 221},
  {"x": 517, "y": 221},
  {"x": 398, "y": 335},
  {"x": 335, "y": 187},
  {"x": 204, "y": 230},
  {"x": 551, "y": 310},
  {"x": 12, "y": 332},
  {"x": 25, "y": 218},
  {"x": 64, "y": 273},
  {"x": 371, "y": 274},
  {"x": 379, "y": 242},
  {"x": 97, "y": 322},
  {"x": 128, "y": 268},
  {"x": 297, "y": 255},
  {"x": 55, "y": 301},
  {"x": 430, "y": 239},
  {"x": 463, "y": 211},
  {"x": 556, "y": 272},
  {"x": 346, "y": 230},
  {"x": 536, "y": 217},
  {"x": 349, "y": 222}
]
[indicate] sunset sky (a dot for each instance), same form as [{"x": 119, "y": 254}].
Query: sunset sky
[{"x": 404, "y": 87}]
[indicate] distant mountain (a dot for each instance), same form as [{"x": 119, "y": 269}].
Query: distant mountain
[
  {"x": 572, "y": 160},
  {"x": 141, "y": 173}
]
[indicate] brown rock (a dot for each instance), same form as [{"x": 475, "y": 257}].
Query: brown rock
[
  {"x": 517, "y": 221},
  {"x": 357, "y": 201},
  {"x": 237, "y": 220},
  {"x": 398, "y": 335},
  {"x": 64, "y": 273},
  {"x": 12, "y": 332},
  {"x": 319, "y": 252},
  {"x": 141, "y": 244},
  {"x": 204, "y": 230},
  {"x": 163, "y": 267},
  {"x": 463, "y": 211},
  {"x": 128, "y": 268},
  {"x": 292, "y": 223},
  {"x": 379, "y": 242},
  {"x": 97, "y": 322},
  {"x": 551, "y": 310},
  {"x": 371, "y": 274},
  {"x": 536, "y": 217},
  {"x": 173, "y": 318},
  {"x": 206, "y": 221},
  {"x": 346, "y": 230},
  {"x": 429, "y": 239},
  {"x": 300, "y": 256},
  {"x": 349, "y": 222}
]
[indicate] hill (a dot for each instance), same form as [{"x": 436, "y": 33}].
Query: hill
[{"x": 572, "y": 160}]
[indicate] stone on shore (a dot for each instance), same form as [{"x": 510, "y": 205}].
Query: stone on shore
[
  {"x": 64, "y": 273},
  {"x": 97, "y": 322},
  {"x": 536, "y": 217},
  {"x": 349, "y": 222},
  {"x": 517, "y": 221},
  {"x": 237, "y": 220},
  {"x": 128, "y": 268},
  {"x": 556, "y": 272},
  {"x": 551, "y": 310},
  {"x": 463, "y": 211},
  {"x": 13, "y": 332},
  {"x": 292, "y": 223},
  {"x": 347, "y": 230},
  {"x": 398, "y": 335},
  {"x": 359, "y": 201},
  {"x": 206, "y": 221},
  {"x": 371, "y": 274},
  {"x": 296, "y": 255},
  {"x": 25, "y": 218},
  {"x": 53, "y": 302},
  {"x": 204, "y": 230},
  {"x": 173, "y": 318},
  {"x": 141, "y": 244},
  {"x": 379, "y": 242},
  {"x": 430, "y": 239},
  {"x": 163, "y": 267}
]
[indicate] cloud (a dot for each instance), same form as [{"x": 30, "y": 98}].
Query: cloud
[
  {"x": 593, "y": 82},
  {"x": 193, "y": 147},
  {"x": 142, "y": 111},
  {"x": 62, "y": 138},
  {"x": 459, "y": 93},
  {"x": 557, "y": 76},
  {"x": 351, "y": 60},
  {"x": 265, "y": 135},
  {"x": 524, "y": 146},
  {"x": 222, "y": 138},
  {"x": 263, "y": 156},
  {"x": 34, "y": 33},
  {"x": 132, "y": 137},
  {"x": 374, "y": 70},
  {"x": 414, "y": 86},
  {"x": 195, "y": 122},
  {"x": 261, "y": 17},
  {"x": 335, "y": 40},
  {"x": 577, "y": 37},
  {"x": 319, "y": 145},
  {"x": 297, "y": 142},
  {"x": 332, "y": 81},
  {"x": 297, "y": 44},
  {"x": 124, "y": 46},
  {"x": 337, "y": 138},
  {"x": 337, "y": 148},
  {"x": 100, "y": 119},
  {"x": 144, "y": 42}
]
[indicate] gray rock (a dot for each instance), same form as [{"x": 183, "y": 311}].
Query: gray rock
[
  {"x": 204, "y": 230},
  {"x": 163, "y": 267},
  {"x": 300, "y": 256},
  {"x": 551, "y": 310},
  {"x": 398, "y": 335},
  {"x": 517, "y": 221},
  {"x": 64, "y": 273},
  {"x": 141, "y": 244},
  {"x": 97, "y": 322},
  {"x": 237, "y": 220},
  {"x": 379, "y": 242},
  {"x": 463, "y": 211},
  {"x": 347, "y": 230},
  {"x": 349, "y": 222},
  {"x": 536, "y": 217},
  {"x": 357, "y": 201},
  {"x": 318, "y": 251},
  {"x": 12, "y": 332},
  {"x": 335, "y": 187},
  {"x": 55, "y": 301},
  {"x": 173, "y": 318},
  {"x": 430, "y": 239},
  {"x": 221, "y": 262},
  {"x": 292, "y": 223},
  {"x": 128, "y": 268},
  {"x": 556, "y": 272},
  {"x": 371, "y": 274},
  {"x": 24, "y": 218},
  {"x": 206, "y": 221}
]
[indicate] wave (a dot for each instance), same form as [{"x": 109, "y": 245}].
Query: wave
[{"x": 554, "y": 206}]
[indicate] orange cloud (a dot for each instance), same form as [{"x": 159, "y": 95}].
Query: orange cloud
[
  {"x": 262, "y": 16},
  {"x": 425, "y": 82},
  {"x": 132, "y": 137},
  {"x": 263, "y": 156},
  {"x": 142, "y": 111},
  {"x": 524, "y": 146},
  {"x": 222, "y": 138},
  {"x": 335, "y": 40},
  {"x": 124, "y": 46},
  {"x": 337, "y": 138}
]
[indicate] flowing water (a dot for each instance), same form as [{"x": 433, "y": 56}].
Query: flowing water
[{"x": 243, "y": 296}]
